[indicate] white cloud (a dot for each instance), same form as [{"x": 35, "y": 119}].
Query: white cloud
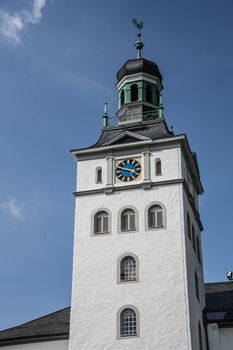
[
  {"x": 12, "y": 25},
  {"x": 12, "y": 207}
]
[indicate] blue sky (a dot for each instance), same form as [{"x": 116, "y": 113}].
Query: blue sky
[{"x": 58, "y": 61}]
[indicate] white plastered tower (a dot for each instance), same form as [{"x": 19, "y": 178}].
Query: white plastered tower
[{"x": 138, "y": 166}]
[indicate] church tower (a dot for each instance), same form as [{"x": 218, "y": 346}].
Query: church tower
[{"x": 137, "y": 268}]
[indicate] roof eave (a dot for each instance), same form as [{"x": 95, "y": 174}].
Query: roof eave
[{"x": 33, "y": 339}]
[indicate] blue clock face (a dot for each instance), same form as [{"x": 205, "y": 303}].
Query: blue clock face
[{"x": 128, "y": 170}]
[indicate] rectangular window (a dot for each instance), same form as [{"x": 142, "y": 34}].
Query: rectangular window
[
  {"x": 132, "y": 222},
  {"x": 98, "y": 175},
  {"x": 105, "y": 224},
  {"x": 151, "y": 219},
  {"x": 159, "y": 219},
  {"x": 124, "y": 222},
  {"x": 98, "y": 225}
]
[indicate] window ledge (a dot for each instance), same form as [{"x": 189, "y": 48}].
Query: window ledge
[
  {"x": 122, "y": 337},
  {"x": 100, "y": 233},
  {"x": 155, "y": 227},
  {"x": 126, "y": 282}
]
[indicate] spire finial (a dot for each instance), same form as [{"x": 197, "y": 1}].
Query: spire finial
[
  {"x": 105, "y": 116},
  {"x": 139, "y": 45}
]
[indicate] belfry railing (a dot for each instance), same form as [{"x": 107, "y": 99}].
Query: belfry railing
[{"x": 137, "y": 117}]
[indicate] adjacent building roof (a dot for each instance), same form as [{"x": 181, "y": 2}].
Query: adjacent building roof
[
  {"x": 219, "y": 302},
  {"x": 50, "y": 327}
]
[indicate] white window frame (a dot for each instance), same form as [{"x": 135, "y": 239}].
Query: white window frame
[
  {"x": 93, "y": 216},
  {"x": 164, "y": 217},
  {"x": 136, "y": 219}
]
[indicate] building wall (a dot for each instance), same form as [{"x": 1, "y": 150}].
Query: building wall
[
  {"x": 196, "y": 306},
  {"x": 170, "y": 158},
  {"x": 220, "y": 338},
  {"x": 226, "y": 338},
  {"x": 49, "y": 345},
  {"x": 160, "y": 295}
]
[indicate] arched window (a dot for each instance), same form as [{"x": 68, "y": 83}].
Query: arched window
[
  {"x": 200, "y": 337},
  {"x": 198, "y": 249},
  {"x": 148, "y": 93},
  {"x": 196, "y": 285},
  {"x": 158, "y": 167},
  {"x": 193, "y": 238},
  {"x": 128, "y": 220},
  {"x": 128, "y": 269},
  {"x": 189, "y": 226},
  {"x": 155, "y": 216},
  {"x": 101, "y": 222},
  {"x": 98, "y": 175},
  {"x": 128, "y": 323},
  {"x": 134, "y": 92},
  {"x": 122, "y": 97}
]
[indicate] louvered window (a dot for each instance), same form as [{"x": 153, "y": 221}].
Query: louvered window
[
  {"x": 134, "y": 92},
  {"x": 148, "y": 93},
  {"x": 98, "y": 175},
  {"x": 158, "y": 167},
  {"x": 122, "y": 97}
]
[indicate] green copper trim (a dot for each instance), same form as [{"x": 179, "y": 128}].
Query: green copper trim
[
  {"x": 105, "y": 116},
  {"x": 160, "y": 107},
  {"x": 142, "y": 93}
]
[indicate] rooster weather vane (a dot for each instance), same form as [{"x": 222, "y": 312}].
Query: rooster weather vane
[{"x": 139, "y": 45}]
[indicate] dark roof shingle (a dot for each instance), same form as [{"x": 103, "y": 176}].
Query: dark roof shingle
[
  {"x": 219, "y": 302},
  {"x": 54, "y": 325}
]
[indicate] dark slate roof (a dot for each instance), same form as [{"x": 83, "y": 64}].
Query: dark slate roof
[
  {"x": 219, "y": 302},
  {"x": 55, "y": 326},
  {"x": 139, "y": 65},
  {"x": 153, "y": 130}
]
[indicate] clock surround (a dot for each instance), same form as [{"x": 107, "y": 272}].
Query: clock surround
[{"x": 128, "y": 170}]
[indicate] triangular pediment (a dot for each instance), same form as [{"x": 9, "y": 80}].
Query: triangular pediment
[{"x": 126, "y": 137}]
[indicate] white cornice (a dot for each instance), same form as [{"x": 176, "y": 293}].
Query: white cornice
[
  {"x": 93, "y": 150},
  {"x": 138, "y": 76}
]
